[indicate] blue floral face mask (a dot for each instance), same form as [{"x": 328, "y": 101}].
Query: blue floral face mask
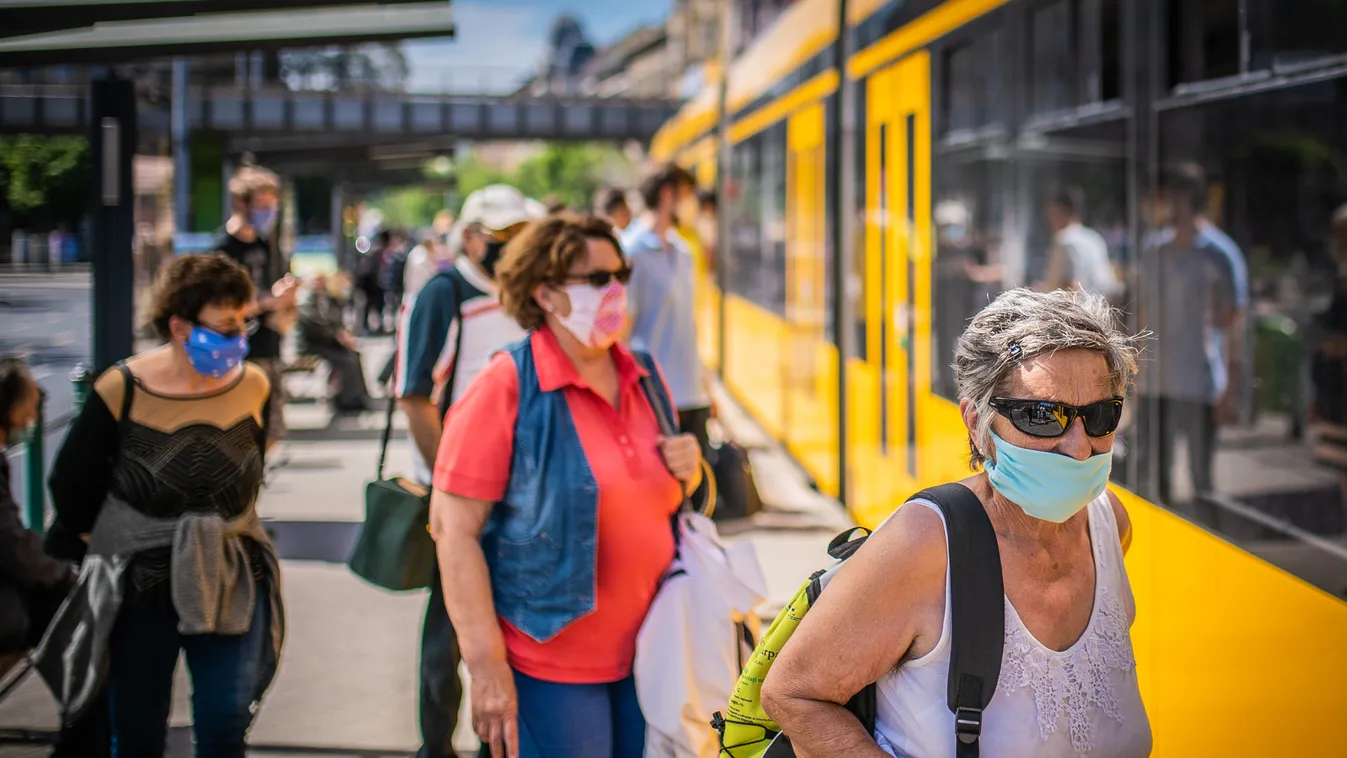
[
  {"x": 213, "y": 354},
  {"x": 1047, "y": 486}
]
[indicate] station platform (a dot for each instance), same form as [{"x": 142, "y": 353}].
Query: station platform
[{"x": 347, "y": 684}]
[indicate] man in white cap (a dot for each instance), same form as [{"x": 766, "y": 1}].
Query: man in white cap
[{"x": 449, "y": 334}]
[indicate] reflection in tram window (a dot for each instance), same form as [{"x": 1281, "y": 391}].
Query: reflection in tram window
[
  {"x": 757, "y": 229},
  {"x": 1242, "y": 257},
  {"x": 967, "y": 271}
]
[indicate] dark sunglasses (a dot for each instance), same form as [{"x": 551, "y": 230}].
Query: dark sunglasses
[
  {"x": 1044, "y": 418},
  {"x": 599, "y": 278}
]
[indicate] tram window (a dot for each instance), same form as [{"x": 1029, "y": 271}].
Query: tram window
[
  {"x": 858, "y": 284},
  {"x": 1053, "y": 63},
  {"x": 772, "y": 275},
  {"x": 882, "y": 210},
  {"x": 1075, "y": 54},
  {"x": 972, "y": 87},
  {"x": 1246, "y": 269},
  {"x": 1204, "y": 40},
  {"x": 967, "y": 272},
  {"x": 745, "y": 210},
  {"x": 1296, "y": 33}
]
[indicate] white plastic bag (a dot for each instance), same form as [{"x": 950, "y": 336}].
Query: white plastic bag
[{"x": 690, "y": 649}]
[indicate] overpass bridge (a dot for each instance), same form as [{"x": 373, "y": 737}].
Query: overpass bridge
[{"x": 255, "y": 119}]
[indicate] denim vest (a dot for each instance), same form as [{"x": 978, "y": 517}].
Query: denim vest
[{"x": 541, "y": 540}]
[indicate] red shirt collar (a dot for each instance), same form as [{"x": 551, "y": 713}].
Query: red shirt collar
[{"x": 555, "y": 369}]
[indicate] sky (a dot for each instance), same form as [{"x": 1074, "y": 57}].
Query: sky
[{"x": 500, "y": 42}]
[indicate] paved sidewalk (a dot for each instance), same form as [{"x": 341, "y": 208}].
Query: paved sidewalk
[{"x": 347, "y": 682}]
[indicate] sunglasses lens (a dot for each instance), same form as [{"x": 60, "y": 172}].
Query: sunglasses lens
[
  {"x": 1039, "y": 419},
  {"x": 1101, "y": 418}
]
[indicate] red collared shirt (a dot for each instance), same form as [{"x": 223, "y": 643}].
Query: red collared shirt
[{"x": 637, "y": 497}]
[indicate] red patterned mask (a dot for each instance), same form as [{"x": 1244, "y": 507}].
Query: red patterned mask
[{"x": 596, "y": 313}]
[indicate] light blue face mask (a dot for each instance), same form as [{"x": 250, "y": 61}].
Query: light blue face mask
[{"x": 1047, "y": 486}]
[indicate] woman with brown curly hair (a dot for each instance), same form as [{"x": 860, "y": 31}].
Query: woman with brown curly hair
[
  {"x": 162, "y": 470},
  {"x": 554, "y": 489}
]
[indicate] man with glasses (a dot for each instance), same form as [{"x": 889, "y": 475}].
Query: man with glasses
[{"x": 451, "y": 329}]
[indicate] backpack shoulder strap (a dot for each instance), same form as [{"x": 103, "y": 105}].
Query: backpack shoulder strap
[
  {"x": 447, "y": 397},
  {"x": 977, "y": 608},
  {"x": 655, "y": 392}
]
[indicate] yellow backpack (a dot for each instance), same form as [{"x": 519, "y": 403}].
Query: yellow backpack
[{"x": 977, "y": 606}]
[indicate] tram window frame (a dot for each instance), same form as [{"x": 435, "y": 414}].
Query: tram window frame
[
  {"x": 988, "y": 42},
  {"x": 1088, "y": 66},
  {"x": 858, "y": 288},
  {"x": 1252, "y": 44}
]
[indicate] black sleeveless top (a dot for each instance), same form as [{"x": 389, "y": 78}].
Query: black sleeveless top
[{"x": 172, "y": 455}]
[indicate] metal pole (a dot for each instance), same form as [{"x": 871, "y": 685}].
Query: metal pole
[
  {"x": 724, "y": 171},
  {"x": 112, "y": 146},
  {"x": 842, "y": 201},
  {"x": 182, "y": 160},
  {"x": 35, "y": 484}
]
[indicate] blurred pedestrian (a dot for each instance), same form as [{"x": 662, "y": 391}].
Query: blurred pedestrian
[
  {"x": 322, "y": 333},
  {"x": 613, "y": 205},
  {"x": 162, "y": 468},
  {"x": 250, "y": 239},
  {"x": 368, "y": 282},
  {"x": 27, "y": 573},
  {"x": 661, "y": 304},
  {"x": 554, "y": 488}
]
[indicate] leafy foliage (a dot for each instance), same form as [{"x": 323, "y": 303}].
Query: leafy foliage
[{"x": 45, "y": 179}]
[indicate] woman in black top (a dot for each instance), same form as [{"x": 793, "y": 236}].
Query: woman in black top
[
  {"x": 27, "y": 574},
  {"x": 163, "y": 468}
]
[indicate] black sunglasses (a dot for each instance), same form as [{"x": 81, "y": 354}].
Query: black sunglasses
[
  {"x": 1044, "y": 418},
  {"x": 599, "y": 278}
]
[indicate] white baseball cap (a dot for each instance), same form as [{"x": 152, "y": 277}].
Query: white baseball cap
[{"x": 498, "y": 207}]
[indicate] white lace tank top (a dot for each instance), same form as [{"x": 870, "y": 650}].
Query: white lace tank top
[{"x": 1082, "y": 701}]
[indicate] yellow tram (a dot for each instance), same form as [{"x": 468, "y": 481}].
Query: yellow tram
[{"x": 970, "y": 117}]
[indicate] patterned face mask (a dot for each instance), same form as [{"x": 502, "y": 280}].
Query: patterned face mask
[{"x": 596, "y": 312}]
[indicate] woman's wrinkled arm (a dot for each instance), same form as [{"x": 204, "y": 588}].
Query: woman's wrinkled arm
[
  {"x": 456, "y": 524},
  {"x": 862, "y": 625}
]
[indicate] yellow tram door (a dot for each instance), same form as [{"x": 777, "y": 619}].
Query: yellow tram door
[
  {"x": 809, "y": 362},
  {"x": 894, "y": 381}
]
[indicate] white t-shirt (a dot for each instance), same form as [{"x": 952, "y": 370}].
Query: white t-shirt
[{"x": 1086, "y": 260}]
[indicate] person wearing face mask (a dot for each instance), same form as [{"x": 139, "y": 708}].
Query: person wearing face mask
[
  {"x": 162, "y": 469},
  {"x": 27, "y": 573},
  {"x": 249, "y": 238},
  {"x": 1040, "y": 379},
  {"x": 554, "y": 488},
  {"x": 447, "y": 333},
  {"x": 662, "y": 304}
]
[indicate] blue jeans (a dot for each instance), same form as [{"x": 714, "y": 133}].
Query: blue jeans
[
  {"x": 579, "y": 720},
  {"x": 225, "y": 676}
]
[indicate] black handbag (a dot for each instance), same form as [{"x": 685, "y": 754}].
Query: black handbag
[
  {"x": 395, "y": 550},
  {"x": 738, "y": 491}
]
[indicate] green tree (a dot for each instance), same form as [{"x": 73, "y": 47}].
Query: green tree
[
  {"x": 45, "y": 180},
  {"x": 471, "y": 175},
  {"x": 572, "y": 173},
  {"x": 407, "y": 207}
]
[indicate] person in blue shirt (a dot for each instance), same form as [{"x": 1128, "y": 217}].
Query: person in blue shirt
[
  {"x": 1197, "y": 309},
  {"x": 660, "y": 304}
]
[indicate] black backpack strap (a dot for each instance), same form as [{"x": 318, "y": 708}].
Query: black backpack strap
[
  {"x": 977, "y": 608},
  {"x": 655, "y": 394},
  {"x": 448, "y": 396}
]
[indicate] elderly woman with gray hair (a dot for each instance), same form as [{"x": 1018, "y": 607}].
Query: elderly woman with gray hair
[{"x": 1041, "y": 379}]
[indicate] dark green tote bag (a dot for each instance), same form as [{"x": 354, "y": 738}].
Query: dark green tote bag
[{"x": 395, "y": 550}]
